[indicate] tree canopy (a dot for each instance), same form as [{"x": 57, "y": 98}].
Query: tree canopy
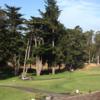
[{"x": 44, "y": 39}]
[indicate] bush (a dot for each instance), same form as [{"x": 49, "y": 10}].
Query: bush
[{"x": 40, "y": 97}]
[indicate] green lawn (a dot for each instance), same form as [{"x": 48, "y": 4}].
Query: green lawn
[
  {"x": 14, "y": 94},
  {"x": 84, "y": 80}
]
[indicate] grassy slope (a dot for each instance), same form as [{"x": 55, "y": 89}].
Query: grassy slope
[
  {"x": 14, "y": 94},
  {"x": 85, "y": 81}
]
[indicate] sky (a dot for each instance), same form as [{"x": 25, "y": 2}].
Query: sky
[{"x": 85, "y": 13}]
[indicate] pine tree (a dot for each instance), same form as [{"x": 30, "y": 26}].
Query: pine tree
[
  {"x": 97, "y": 44},
  {"x": 4, "y": 38},
  {"x": 72, "y": 48},
  {"x": 51, "y": 31},
  {"x": 35, "y": 42},
  {"x": 14, "y": 25},
  {"x": 89, "y": 42}
]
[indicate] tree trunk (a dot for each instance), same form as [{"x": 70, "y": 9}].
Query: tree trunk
[
  {"x": 98, "y": 60},
  {"x": 92, "y": 59},
  {"x": 35, "y": 40},
  {"x": 38, "y": 66},
  {"x": 15, "y": 65},
  {"x": 18, "y": 65},
  {"x": 53, "y": 43},
  {"x": 89, "y": 57},
  {"x": 26, "y": 54},
  {"x": 42, "y": 41},
  {"x": 38, "y": 60},
  {"x": 53, "y": 70}
]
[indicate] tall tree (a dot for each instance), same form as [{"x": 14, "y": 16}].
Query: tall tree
[
  {"x": 72, "y": 46},
  {"x": 4, "y": 38},
  {"x": 52, "y": 11},
  {"x": 97, "y": 44},
  {"x": 35, "y": 42},
  {"x": 51, "y": 15},
  {"x": 89, "y": 43},
  {"x": 14, "y": 21}
]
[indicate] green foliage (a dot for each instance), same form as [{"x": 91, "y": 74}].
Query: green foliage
[
  {"x": 72, "y": 47},
  {"x": 52, "y": 11},
  {"x": 14, "y": 21},
  {"x": 52, "y": 31},
  {"x": 48, "y": 38},
  {"x": 97, "y": 42},
  {"x": 89, "y": 45},
  {"x": 40, "y": 96},
  {"x": 4, "y": 41},
  {"x": 11, "y": 37}
]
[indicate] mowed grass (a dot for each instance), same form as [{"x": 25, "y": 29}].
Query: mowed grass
[
  {"x": 84, "y": 80},
  {"x": 7, "y": 93}
]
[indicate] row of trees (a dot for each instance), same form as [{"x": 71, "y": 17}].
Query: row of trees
[{"x": 44, "y": 39}]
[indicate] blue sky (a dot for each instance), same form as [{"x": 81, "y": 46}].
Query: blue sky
[{"x": 85, "y": 13}]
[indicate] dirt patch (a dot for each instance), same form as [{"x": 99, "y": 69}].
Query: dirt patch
[
  {"x": 92, "y": 96},
  {"x": 89, "y": 66}
]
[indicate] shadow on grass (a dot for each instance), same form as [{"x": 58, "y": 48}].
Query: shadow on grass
[
  {"x": 6, "y": 72},
  {"x": 49, "y": 71}
]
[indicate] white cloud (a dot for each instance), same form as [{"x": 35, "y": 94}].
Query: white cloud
[{"x": 80, "y": 12}]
